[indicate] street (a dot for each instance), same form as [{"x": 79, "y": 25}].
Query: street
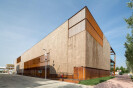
[{"x": 18, "y": 81}]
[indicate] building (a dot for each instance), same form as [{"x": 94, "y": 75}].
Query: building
[
  {"x": 8, "y": 69},
  {"x": 77, "y": 49},
  {"x": 2, "y": 70},
  {"x": 10, "y": 66}
]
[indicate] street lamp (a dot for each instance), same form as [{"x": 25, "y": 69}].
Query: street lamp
[{"x": 45, "y": 60}]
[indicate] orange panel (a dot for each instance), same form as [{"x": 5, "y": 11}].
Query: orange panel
[
  {"x": 76, "y": 73},
  {"x": 70, "y": 76},
  {"x": 19, "y": 59},
  {"x": 95, "y": 73},
  {"x": 35, "y": 62},
  {"x": 80, "y": 71},
  {"x": 93, "y": 23},
  {"x": 93, "y": 33}
]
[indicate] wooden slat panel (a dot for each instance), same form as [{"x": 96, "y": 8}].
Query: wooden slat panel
[
  {"x": 87, "y": 73},
  {"x": 91, "y": 73},
  {"x": 93, "y": 23},
  {"x": 93, "y": 33},
  {"x": 19, "y": 59},
  {"x": 35, "y": 72},
  {"x": 34, "y": 63},
  {"x": 75, "y": 73},
  {"x": 80, "y": 72}
]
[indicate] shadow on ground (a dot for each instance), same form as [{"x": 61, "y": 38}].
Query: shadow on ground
[{"x": 18, "y": 81}]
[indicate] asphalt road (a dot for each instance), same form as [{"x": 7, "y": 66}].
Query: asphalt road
[{"x": 17, "y": 81}]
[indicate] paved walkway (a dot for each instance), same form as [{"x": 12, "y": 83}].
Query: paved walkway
[
  {"x": 121, "y": 81},
  {"x": 16, "y": 81}
]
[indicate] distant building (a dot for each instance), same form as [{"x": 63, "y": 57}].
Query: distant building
[
  {"x": 10, "y": 68},
  {"x": 77, "y": 49},
  {"x": 2, "y": 69}
]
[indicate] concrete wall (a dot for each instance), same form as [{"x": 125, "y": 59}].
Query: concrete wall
[
  {"x": 76, "y": 41},
  {"x": 94, "y": 53},
  {"x": 55, "y": 44},
  {"x": 106, "y": 53},
  {"x": 76, "y": 51},
  {"x": 97, "y": 47}
]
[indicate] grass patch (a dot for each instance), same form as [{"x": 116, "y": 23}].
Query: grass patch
[{"x": 95, "y": 81}]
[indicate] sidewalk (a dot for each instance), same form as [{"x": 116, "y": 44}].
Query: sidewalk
[{"x": 121, "y": 81}]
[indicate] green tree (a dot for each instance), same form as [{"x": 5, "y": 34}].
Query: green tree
[
  {"x": 129, "y": 42},
  {"x": 126, "y": 70},
  {"x": 117, "y": 68},
  {"x": 129, "y": 20},
  {"x": 122, "y": 69}
]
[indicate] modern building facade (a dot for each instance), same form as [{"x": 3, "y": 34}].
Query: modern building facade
[{"x": 77, "y": 49}]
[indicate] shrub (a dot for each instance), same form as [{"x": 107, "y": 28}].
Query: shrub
[{"x": 120, "y": 73}]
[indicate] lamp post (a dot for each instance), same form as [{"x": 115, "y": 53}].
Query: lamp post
[
  {"x": 45, "y": 60},
  {"x": 114, "y": 63}
]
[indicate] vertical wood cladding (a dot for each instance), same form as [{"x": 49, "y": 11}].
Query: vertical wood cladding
[
  {"x": 84, "y": 73},
  {"x": 36, "y": 62},
  {"x": 37, "y": 72},
  {"x": 95, "y": 73}
]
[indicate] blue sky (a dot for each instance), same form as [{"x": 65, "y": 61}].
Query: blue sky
[{"x": 23, "y": 23}]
